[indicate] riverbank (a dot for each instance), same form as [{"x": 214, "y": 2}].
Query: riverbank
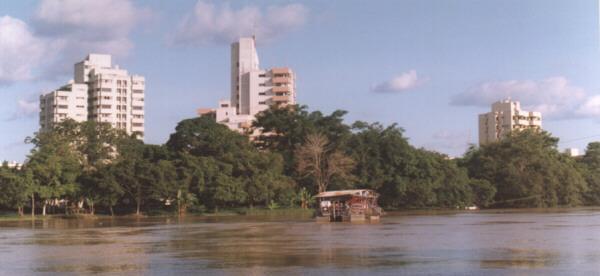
[{"x": 248, "y": 212}]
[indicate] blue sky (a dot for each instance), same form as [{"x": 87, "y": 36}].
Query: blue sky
[{"x": 430, "y": 66}]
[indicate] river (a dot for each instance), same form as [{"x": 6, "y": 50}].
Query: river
[{"x": 496, "y": 242}]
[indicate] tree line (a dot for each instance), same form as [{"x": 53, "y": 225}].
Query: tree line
[{"x": 91, "y": 167}]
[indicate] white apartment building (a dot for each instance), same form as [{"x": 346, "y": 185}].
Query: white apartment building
[
  {"x": 506, "y": 116},
  {"x": 252, "y": 89},
  {"x": 112, "y": 95},
  {"x": 69, "y": 101}
]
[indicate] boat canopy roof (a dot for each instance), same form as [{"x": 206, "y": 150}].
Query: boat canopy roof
[{"x": 359, "y": 193}]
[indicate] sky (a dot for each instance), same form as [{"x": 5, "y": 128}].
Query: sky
[{"x": 429, "y": 66}]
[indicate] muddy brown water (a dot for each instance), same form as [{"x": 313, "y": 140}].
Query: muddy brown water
[{"x": 506, "y": 242}]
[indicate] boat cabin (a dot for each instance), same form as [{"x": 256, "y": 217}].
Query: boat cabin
[{"x": 348, "y": 205}]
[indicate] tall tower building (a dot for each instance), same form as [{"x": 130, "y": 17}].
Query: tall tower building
[
  {"x": 506, "y": 116},
  {"x": 111, "y": 95},
  {"x": 252, "y": 89}
]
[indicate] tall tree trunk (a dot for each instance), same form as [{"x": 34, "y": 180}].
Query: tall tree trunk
[
  {"x": 138, "y": 200},
  {"x": 44, "y": 208},
  {"x": 20, "y": 210},
  {"x": 137, "y": 209},
  {"x": 112, "y": 213},
  {"x": 32, "y": 205}
]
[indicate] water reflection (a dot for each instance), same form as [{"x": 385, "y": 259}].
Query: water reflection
[{"x": 509, "y": 241}]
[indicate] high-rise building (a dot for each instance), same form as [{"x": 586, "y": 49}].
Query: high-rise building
[
  {"x": 69, "y": 101},
  {"x": 506, "y": 116},
  {"x": 100, "y": 92},
  {"x": 252, "y": 89}
]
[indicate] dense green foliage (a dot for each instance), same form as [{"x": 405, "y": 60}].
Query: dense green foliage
[
  {"x": 528, "y": 171},
  {"x": 90, "y": 167}
]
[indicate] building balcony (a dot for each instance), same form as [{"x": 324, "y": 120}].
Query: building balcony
[
  {"x": 137, "y": 120},
  {"x": 137, "y": 111},
  {"x": 281, "y": 89},
  {"x": 280, "y": 99},
  {"x": 282, "y": 80},
  {"x": 281, "y": 70}
]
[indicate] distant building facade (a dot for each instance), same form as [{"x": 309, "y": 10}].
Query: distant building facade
[
  {"x": 252, "y": 89},
  {"x": 506, "y": 116},
  {"x": 573, "y": 152},
  {"x": 99, "y": 92}
]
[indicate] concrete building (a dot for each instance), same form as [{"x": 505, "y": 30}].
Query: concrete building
[
  {"x": 506, "y": 116},
  {"x": 110, "y": 94},
  {"x": 252, "y": 89},
  {"x": 69, "y": 101}
]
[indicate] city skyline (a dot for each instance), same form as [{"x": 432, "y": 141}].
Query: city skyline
[{"x": 430, "y": 67}]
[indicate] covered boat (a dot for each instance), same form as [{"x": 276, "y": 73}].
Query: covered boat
[{"x": 348, "y": 205}]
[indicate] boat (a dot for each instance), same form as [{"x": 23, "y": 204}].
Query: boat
[{"x": 348, "y": 205}]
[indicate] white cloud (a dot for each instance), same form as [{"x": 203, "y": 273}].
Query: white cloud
[
  {"x": 62, "y": 32},
  {"x": 20, "y": 50},
  {"x": 77, "y": 28},
  {"x": 590, "y": 107},
  {"x": 555, "y": 97},
  {"x": 402, "y": 82},
  {"x": 208, "y": 23}
]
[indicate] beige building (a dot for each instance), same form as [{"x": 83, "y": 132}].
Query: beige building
[
  {"x": 105, "y": 92},
  {"x": 252, "y": 89},
  {"x": 506, "y": 116}
]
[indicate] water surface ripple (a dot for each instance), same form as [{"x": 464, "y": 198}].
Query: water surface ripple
[{"x": 521, "y": 242}]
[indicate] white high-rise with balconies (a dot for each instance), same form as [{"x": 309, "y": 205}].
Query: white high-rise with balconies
[
  {"x": 69, "y": 101},
  {"x": 506, "y": 116},
  {"x": 252, "y": 89},
  {"x": 110, "y": 95}
]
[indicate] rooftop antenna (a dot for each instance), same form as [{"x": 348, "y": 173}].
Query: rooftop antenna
[{"x": 254, "y": 32}]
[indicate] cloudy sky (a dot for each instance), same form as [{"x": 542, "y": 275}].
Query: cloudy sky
[{"x": 430, "y": 66}]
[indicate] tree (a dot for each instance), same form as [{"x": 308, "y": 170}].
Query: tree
[
  {"x": 589, "y": 165},
  {"x": 316, "y": 158},
  {"x": 527, "y": 171},
  {"x": 283, "y": 129},
  {"x": 101, "y": 186},
  {"x": 14, "y": 187},
  {"x": 54, "y": 163}
]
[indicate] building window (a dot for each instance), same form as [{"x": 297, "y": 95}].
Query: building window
[
  {"x": 262, "y": 93},
  {"x": 263, "y": 103},
  {"x": 262, "y": 75}
]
